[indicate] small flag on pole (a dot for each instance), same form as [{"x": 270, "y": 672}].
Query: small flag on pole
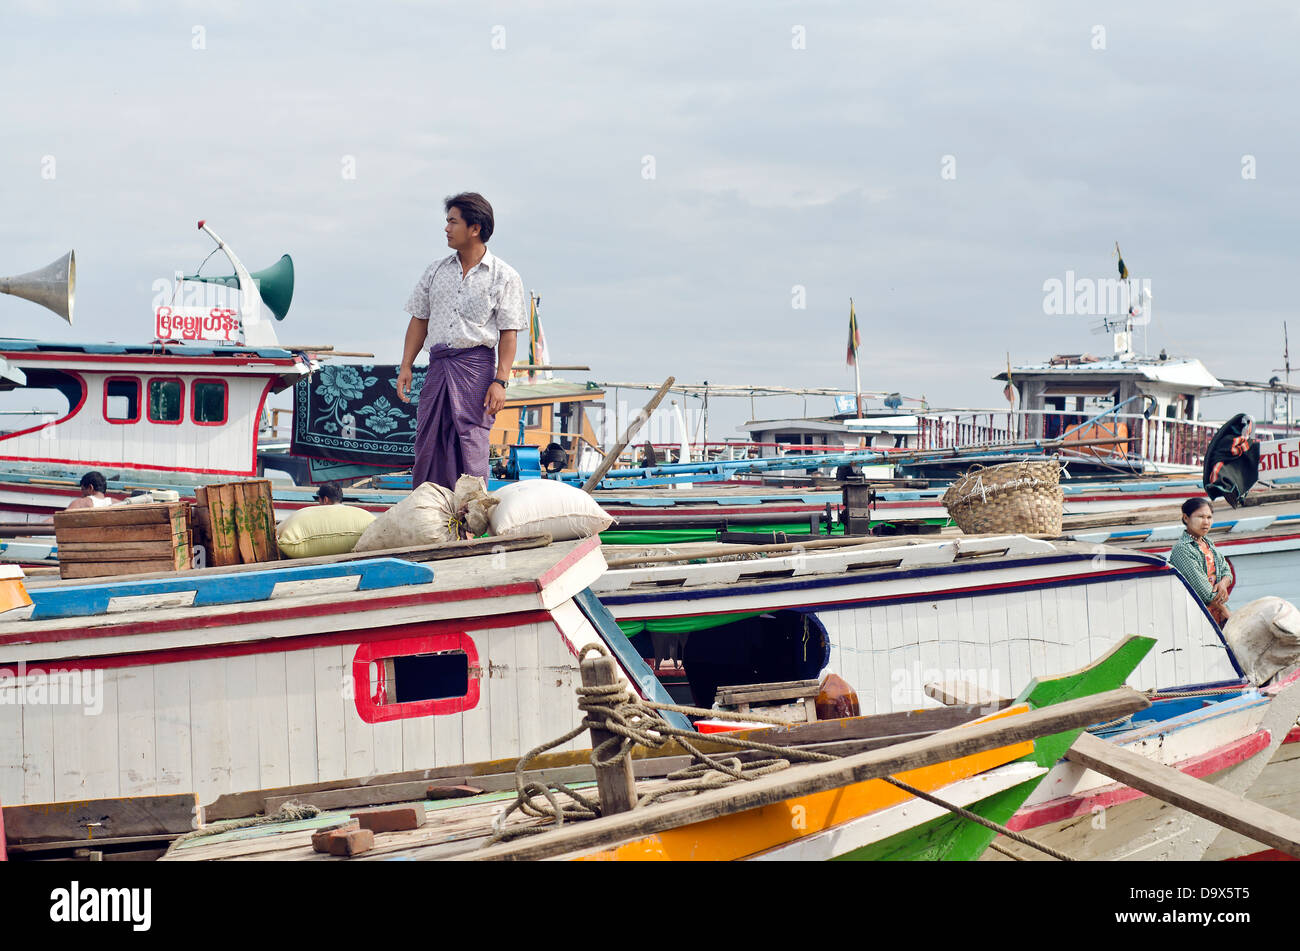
[
  {"x": 1123, "y": 268},
  {"x": 537, "y": 351},
  {"x": 854, "y": 340}
]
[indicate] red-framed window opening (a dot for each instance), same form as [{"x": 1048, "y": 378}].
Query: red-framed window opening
[
  {"x": 412, "y": 677},
  {"x": 166, "y": 400},
  {"x": 209, "y": 402},
  {"x": 124, "y": 394}
]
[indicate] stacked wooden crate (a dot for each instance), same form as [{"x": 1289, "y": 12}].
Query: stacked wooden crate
[
  {"x": 794, "y": 701},
  {"x": 236, "y": 522},
  {"x": 123, "y": 539}
]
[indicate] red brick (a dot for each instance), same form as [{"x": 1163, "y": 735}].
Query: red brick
[
  {"x": 320, "y": 839},
  {"x": 351, "y": 842},
  {"x": 392, "y": 819}
]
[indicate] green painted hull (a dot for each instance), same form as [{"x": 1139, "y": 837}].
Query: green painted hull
[{"x": 950, "y": 838}]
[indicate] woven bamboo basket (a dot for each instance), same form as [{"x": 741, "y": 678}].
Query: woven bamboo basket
[{"x": 1019, "y": 497}]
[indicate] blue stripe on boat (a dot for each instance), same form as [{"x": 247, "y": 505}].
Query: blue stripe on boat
[{"x": 232, "y": 588}]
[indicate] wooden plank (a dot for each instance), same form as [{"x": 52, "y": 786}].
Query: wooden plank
[
  {"x": 818, "y": 777},
  {"x": 243, "y": 499},
  {"x": 612, "y": 456},
  {"x": 156, "y": 531},
  {"x": 172, "y": 750},
  {"x": 953, "y": 692},
  {"x": 136, "y": 757},
  {"x": 907, "y": 723},
  {"x": 300, "y": 712},
  {"x": 272, "y": 717},
  {"x": 36, "y": 847},
  {"x": 224, "y": 550},
  {"x": 758, "y": 693},
  {"x": 120, "y": 551},
  {"x": 1257, "y": 822},
  {"x": 145, "y": 513},
  {"x": 102, "y": 818},
  {"x": 108, "y": 569}
]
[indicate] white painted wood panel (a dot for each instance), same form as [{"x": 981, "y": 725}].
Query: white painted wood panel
[
  {"x": 300, "y": 711},
  {"x": 476, "y": 723},
  {"x": 241, "y": 712},
  {"x": 270, "y": 705},
  {"x": 334, "y": 691},
  {"x": 503, "y": 712},
  {"x": 137, "y": 760},
  {"x": 37, "y": 758},
  {"x": 173, "y": 751},
  {"x": 12, "y": 780},
  {"x": 528, "y": 687}
]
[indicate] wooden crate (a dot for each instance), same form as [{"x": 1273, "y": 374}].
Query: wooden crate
[
  {"x": 793, "y": 699},
  {"x": 236, "y": 521},
  {"x": 123, "y": 539}
]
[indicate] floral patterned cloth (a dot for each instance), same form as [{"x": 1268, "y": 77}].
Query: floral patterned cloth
[
  {"x": 468, "y": 311},
  {"x": 351, "y": 413}
]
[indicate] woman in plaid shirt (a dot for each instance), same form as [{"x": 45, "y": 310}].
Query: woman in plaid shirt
[{"x": 1197, "y": 560}]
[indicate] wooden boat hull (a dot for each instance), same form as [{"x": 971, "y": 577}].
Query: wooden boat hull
[{"x": 290, "y": 685}]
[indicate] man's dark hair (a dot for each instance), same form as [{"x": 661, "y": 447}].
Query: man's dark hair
[
  {"x": 331, "y": 492},
  {"x": 94, "y": 481},
  {"x": 474, "y": 210}
]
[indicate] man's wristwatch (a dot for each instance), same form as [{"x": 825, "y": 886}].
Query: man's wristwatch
[{"x": 503, "y": 383}]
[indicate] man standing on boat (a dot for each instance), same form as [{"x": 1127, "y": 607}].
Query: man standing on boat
[{"x": 463, "y": 307}]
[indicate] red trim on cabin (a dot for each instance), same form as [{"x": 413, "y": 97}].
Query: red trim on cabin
[
  {"x": 225, "y": 401},
  {"x": 71, "y": 412},
  {"x": 257, "y": 422},
  {"x": 138, "y": 401},
  {"x": 249, "y": 615},
  {"x": 277, "y": 645},
  {"x": 568, "y": 561},
  {"x": 1028, "y": 582},
  {"x": 1067, "y": 807},
  {"x": 92, "y": 463},
  {"x": 20, "y": 356},
  {"x": 180, "y": 410},
  {"x": 372, "y": 701}
]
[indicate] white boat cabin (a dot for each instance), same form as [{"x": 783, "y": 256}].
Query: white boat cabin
[{"x": 184, "y": 412}]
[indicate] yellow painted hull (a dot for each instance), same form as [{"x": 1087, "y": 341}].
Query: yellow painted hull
[{"x": 743, "y": 834}]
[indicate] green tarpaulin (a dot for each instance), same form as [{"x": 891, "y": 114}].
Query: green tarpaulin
[{"x": 683, "y": 625}]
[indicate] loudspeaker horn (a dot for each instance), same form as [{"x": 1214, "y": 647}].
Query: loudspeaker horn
[
  {"x": 274, "y": 284},
  {"x": 53, "y": 286}
]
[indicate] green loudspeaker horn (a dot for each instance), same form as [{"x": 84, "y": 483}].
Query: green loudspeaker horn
[{"x": 274, "y": 284}]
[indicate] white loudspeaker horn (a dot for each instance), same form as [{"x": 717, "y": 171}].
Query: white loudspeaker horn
[{"x": 53, "y": 286}]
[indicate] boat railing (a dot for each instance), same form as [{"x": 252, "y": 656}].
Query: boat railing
[{"x": 1158, "y": 440}]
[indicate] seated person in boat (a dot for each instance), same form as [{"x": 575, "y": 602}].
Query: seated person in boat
[
  {"x": 329, "y": 495},
  {"x": 93, "y": 486},
  {"x": 1197, "y": 560}
]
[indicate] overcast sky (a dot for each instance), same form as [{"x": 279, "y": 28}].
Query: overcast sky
[{"x": 667, "y": 175}]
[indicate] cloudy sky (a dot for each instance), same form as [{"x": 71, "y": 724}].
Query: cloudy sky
[{"x": 669, "y": 175}]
